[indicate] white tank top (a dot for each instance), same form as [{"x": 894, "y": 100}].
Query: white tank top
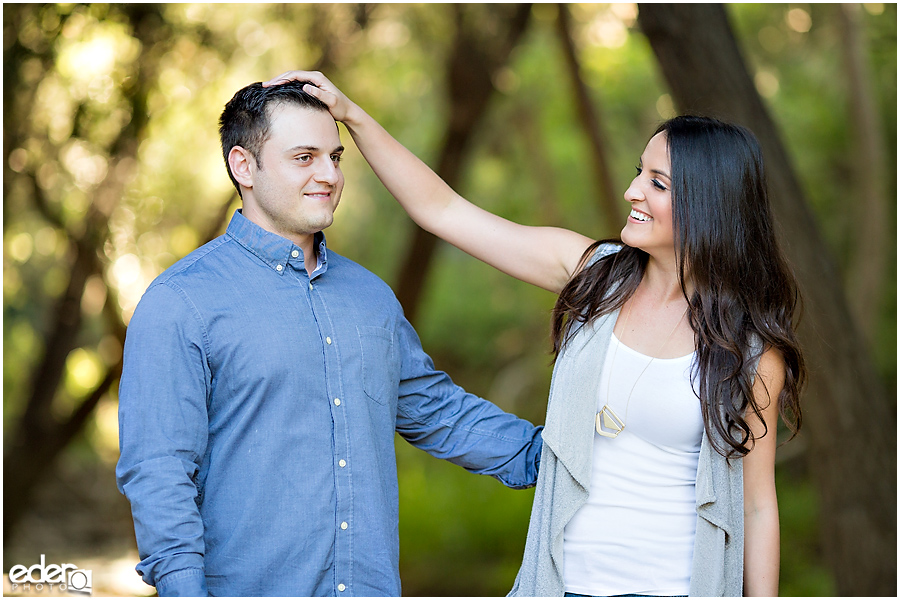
[{"x": 635, "y": 534}]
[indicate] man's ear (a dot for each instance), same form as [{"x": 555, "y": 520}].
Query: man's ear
[{"x": 242, "y": 165}]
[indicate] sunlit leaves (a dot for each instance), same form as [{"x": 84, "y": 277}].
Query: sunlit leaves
[
  {"x": 103, "y": 434},
  {"x": 84, "y": 369},
  {"x": 798, "y": 19},
  {"x": 20, "y": 246}
]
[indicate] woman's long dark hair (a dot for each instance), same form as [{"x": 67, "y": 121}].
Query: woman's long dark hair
[{"x": 726, "y": 244}]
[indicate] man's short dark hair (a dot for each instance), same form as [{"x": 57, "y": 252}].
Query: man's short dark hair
[{"x": 245, "y": 120}]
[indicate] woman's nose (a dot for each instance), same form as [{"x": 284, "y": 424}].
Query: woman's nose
[{"x": 633, "y": 193}]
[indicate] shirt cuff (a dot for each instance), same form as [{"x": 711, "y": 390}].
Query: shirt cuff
[{"x": 185, "y": 582}]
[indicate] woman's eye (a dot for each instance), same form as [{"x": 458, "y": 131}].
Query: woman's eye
[
  {"x": 658, "y": 185},
  {"x": 639, "y": 170}
]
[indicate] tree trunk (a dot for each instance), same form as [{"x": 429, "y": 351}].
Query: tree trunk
[
  {"x": 869, "y": 213},
  {"x": 528, "y": 125},
  {"x": 850, "y": 420},
  {"x": 474, "y": 59},
  {"x": 611, "y": 206}
]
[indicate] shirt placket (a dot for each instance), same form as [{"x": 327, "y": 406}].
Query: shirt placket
[{"x": 343, "y": 522}]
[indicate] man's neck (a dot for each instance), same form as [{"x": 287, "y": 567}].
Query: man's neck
[
  {"x": 310, "y": 257},
  {"x": 306, "y": 241}
]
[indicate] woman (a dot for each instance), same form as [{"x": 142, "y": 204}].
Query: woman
[{"x": 644, "y": 489}]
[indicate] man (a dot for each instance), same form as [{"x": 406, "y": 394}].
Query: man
[{"x": 264, "y": 379}]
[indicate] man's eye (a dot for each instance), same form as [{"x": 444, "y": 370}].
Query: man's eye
[
  {"x": 336, "y": 158},
  {"x": 304, "y": 158}
]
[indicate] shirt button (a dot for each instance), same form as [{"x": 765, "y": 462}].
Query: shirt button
[
  {"x": 295, "y": 254},
  {"x": 344, "y": 525},
  {"x": 341, "y": 587},
  {"x": 337, "y": 401},
  {"x": 278, "y": 267},
  {"x": 328, "y": 341},
  {"x": 310, "y": 286},
  {"x": 342, "y": 463}
]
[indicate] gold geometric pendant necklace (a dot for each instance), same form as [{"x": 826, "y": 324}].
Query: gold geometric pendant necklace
[{"x": 607, "y": 422}]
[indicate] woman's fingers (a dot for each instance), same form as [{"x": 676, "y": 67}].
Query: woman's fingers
[
  {"x": 313, "y": 76},
  {"x": 321, "y": 88}
]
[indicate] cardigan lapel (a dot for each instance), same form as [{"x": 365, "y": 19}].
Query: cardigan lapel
[
  {"x": 569, "y": 427},
  {"x": 710, "y": 505}
]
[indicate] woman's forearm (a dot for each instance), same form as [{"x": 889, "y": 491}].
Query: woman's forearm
[
  {"x": 416, "y": 187},
  {"x": 762, "y": 554}
]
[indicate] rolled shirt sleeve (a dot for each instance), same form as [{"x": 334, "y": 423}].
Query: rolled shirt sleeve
[{"x": 441, "y": 418}]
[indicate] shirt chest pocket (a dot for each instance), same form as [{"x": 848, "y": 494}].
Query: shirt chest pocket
[{"x": 380, "y": 368}]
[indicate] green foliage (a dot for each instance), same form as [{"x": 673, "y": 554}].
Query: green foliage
[
  {"x": 101, "y": 114},
  {"x": 460, "y": 535},
  {"x": 802, "y": 573}
]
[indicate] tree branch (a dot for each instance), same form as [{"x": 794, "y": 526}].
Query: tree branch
[
  {"x": 869, "y": 211},
  {"x": 592, "y": 126},
  {"x": 471, "y": 66}
]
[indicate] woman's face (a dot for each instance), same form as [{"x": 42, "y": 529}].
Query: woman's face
[{"x": 649, "y": 226}]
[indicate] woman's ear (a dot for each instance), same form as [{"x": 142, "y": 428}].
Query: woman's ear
[{"x": 242, "y": 165}]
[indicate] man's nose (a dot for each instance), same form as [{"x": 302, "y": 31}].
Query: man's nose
[{"x": 328, "y": 172}]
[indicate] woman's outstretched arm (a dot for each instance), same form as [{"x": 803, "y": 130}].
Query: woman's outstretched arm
[{"x": 544, "y": 256}]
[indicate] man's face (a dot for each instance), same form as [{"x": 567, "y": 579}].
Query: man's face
[{"x": 297, "y": 184}]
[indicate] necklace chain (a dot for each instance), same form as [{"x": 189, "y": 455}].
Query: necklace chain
[{"x": 607, "y": 422}]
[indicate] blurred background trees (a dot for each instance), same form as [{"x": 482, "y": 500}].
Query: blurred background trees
[{"x": 112, "y": 171}]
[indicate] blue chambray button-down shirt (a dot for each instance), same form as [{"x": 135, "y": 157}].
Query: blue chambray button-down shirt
[{"x": 257, "y": 411}]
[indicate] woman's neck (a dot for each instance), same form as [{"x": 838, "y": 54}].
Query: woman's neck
[
  {"x": 657, "y": 307},
  {"x": 662, "y": 284}
]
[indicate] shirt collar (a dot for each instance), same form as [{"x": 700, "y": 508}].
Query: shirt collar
[{"x": 275, "y": 251}]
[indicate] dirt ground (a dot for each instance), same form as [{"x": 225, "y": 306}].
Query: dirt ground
[{"x": 78, "y": 517}]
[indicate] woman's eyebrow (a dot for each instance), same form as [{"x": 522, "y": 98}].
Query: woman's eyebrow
[{"x": 654, "y": 171}]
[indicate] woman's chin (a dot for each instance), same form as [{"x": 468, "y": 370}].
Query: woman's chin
[{"x": 628, "y": 237}]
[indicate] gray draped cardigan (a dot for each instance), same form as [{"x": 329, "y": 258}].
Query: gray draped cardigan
[{"x": 564, "y": 480}]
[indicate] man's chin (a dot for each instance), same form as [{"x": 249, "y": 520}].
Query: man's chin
[{"x": 325, "y": 223}]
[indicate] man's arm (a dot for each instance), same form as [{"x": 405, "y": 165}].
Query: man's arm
[
  {"x": 441, "y": 418},
  {"x": 162, "y": 438}
]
